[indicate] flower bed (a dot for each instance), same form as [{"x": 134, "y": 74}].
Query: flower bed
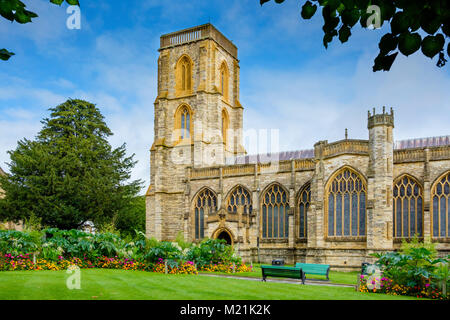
[
  {"x": 387, "y": 286},
  {"x": 25, "y": 262},
  {"x": 58, "y": 249},
  {"x": 225, "y": 267}
]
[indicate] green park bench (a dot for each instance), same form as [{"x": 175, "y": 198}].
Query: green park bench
[
  {"x": 283, "y": 272},
  {"x": 312, "y": 268}
]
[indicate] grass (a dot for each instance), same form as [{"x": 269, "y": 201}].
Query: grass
[
  {"x": 334, "y": 276},
  {"x": 137, "y": 285}
]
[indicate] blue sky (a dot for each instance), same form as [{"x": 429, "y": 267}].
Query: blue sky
[{"x": 289, "y": 81}]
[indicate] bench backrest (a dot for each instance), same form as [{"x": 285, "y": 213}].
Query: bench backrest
[
  {"x": 282, "y": 271},
  {"x": 313, "y": 268}
]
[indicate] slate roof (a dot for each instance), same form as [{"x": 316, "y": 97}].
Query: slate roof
[
  {"x": 422, "y": 142},
  {"x": 280, "y": 156},
  {"x": 309, "y": 153}
]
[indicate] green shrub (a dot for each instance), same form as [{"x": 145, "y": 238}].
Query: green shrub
[
  {"x": 414, "y": 266},
  {"x": 17, "y": 242},
  {"x": 163, "y": 251},
  {"x": 212, "y": 251}
]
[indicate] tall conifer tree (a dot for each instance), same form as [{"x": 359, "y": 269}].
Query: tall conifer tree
[{"x": 70, "y": 173}]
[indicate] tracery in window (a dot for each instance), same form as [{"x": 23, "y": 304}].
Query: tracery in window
[
  {"x": 407, "y": 208},
  {"x": 275, "y": 207},
  {"x": 205, "y": 200},
  {"x": 184, "y": 75},
  {"x": 240, "y": 196},
  {"x": 303, "y": 201},
  {"x": 346, "y": 204},
  {"x": 440, "y": 197},
  {"x": 183, "y": 127}
]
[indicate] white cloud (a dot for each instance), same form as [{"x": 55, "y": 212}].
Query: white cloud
[{"x": 308, "y": 106}]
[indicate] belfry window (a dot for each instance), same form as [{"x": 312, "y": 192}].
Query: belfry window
[
  {"x": 304, "y": 199},
  {"x": 407, "y": 208},
  {"x": 205, "y": 200},
  {"x": 185, "y": 123},
  {"x": 346, "y": 205},
  {"x": 183, "y": 126},
  {"x": 224, "y": 75},
  {"x": 440, "y": 197},
  {"x": 275, "y": 207},
  {"x": 184, "y": 75},
  {"x": 240, "y": 196}
]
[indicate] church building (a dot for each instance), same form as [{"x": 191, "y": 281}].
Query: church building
[{"x": 334, "y": 204}]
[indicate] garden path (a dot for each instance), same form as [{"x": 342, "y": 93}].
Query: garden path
[{"x": 294, "y": 281}]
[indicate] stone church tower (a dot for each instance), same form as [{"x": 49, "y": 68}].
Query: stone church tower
[{"x": 198, "y": 119}]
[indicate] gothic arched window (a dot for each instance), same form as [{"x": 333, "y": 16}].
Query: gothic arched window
[
  {"x": 345, "y": 208},
  {"x": 184, "y": 75},
  {"x": 183, "y": 125},
  {"x": 224, "y": 75},
  {"x": 240, "y": 196},
  {"x": 440, "y": 197},
  {"x": 303, "y": 202},
  {"x": 275, "y": 207},
  {"x": 206, "y": 200},
  {"x": 407, "y": 208}
]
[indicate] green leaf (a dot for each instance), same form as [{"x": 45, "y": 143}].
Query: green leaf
[
  {"x": 58, "y": 2},
  {"x": 362, "y": 4},
  {"x": 408, "y": 43},
  {"x": 446, "y": 28},
  {"x": 388, "y": 43},
  {"x": 400, "y": 23},
  {"x": 22, "y": 16},
  {"x": 73, "y": 2},
  {"x": 344, "y": 33},
  {"x": 432, "y": 45},
  {"x": 350, "y": 16},
  {"x": 387, "y": 10},
  {"x": 308, "y": 10},
  {"x": 333, "y": 4},
  {"x": 429, "y": 21},
  {"x": 384, "y": 62},
  {"x": 5, "y": 54},
  {"x": 363, "y": 20},
  {"x": 328, "y": 37}
]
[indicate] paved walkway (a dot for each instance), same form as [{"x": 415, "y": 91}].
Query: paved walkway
[{"x": 292, "y": 281}]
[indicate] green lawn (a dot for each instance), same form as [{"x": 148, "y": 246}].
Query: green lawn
[
  {"x": 335, "y": 276},
  {"x": 120, "y": 284}
]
